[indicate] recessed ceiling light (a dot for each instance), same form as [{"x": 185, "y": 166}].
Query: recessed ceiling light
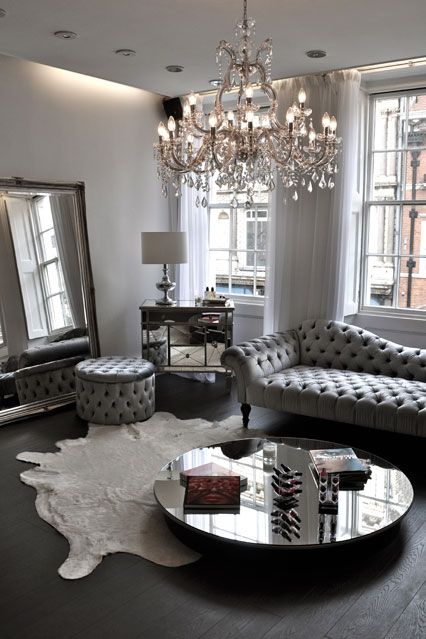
[
  {"x": 316, "y": 53},
  {"x": 174, "y": 68},
  {"x": 65, "y": 35},
  {"x": 216, "y": 82},
  {"x": 2, "y": 13},
  {"x": 127, "y": 53}
]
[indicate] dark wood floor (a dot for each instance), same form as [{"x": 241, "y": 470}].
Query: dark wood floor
[{"x": 373, "y": 593}]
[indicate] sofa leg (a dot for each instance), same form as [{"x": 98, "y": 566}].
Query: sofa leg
[{"x": 245, "y": 409}]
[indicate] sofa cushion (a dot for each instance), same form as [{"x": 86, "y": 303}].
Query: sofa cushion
[
  {"x": 337, "y": 345},
  {"x": 378, "y": 401}
]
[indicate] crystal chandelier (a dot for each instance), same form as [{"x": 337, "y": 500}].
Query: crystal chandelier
[{"x": 244, "y": 150}]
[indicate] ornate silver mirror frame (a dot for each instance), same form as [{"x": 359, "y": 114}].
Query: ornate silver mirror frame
[{"x": 76, "y": 189}]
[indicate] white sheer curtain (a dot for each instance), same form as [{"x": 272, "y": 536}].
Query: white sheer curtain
[
  {"x": 308, "y": 239},
  {"x": 191, "y": 278},
  {"x": 63, "y": 214}
]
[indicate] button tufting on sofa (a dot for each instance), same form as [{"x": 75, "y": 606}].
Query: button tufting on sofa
[
  {"x": 327, "y": 382},
  {"x": 115, "y": 390}
]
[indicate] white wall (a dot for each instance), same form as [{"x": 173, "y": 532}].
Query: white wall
[{"x": 58, "y": 125}]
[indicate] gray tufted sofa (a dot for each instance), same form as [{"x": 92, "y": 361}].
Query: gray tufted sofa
[
  {"x": 47, "y": 370},
  {"x": 334, "y": 371}
]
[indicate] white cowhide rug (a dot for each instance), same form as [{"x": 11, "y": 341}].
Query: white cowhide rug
[{"x": 97, "y": 491}]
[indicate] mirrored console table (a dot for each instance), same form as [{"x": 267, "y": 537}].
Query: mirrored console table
[{"x": 187, "y": 337}]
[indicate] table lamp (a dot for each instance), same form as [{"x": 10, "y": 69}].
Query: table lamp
[{"x": 165, "y": 248}]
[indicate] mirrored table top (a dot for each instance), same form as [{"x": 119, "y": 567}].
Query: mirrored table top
[{"x": 384, "y": 500}]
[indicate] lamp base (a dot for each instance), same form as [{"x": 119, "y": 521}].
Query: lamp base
[{"x": 165, "y": 285}]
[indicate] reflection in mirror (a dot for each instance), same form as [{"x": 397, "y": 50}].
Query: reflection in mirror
[{"x": 47, "y": 313}]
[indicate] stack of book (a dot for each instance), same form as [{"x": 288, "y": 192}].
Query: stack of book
[
  {"x": 353, "y": 472},
  {"x": 210, "y": 488}
]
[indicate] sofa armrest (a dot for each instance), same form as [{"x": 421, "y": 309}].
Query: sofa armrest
[
  {"x": 261, "y": 357},
  {"x": 44, "y": 381}
]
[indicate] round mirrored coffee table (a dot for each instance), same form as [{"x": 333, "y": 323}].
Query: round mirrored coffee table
[{"x": 382, "y": 503}]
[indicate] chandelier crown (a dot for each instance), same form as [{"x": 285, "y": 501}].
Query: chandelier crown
[{"x": 243, "y": 147}]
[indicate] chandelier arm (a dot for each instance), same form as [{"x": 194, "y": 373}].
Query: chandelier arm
[
  {"x": 179, "y": 164},
  {"x": 273, "y": 152}
]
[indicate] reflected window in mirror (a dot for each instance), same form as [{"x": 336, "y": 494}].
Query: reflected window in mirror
[{"x": 55, "y": 299}]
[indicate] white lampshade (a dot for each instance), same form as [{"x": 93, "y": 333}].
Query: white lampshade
[{"x": 164, "y": 247}]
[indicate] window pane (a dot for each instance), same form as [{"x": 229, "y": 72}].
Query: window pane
[
  {"x": 412, "y": 283},
  {"x": 219, "y": 270},
  {"x": 413, "y": 231},
  {"x": 415, "y": 175},
  {"x": 57, "y": 313},
  {"x": 387, "y": 172},
  {"x": 220, "y": 228},
  {"x": 242, "y": 272},
  {"x": 417, "y": 120},
  {"x": 383, "y": 229},
  {"x": 48, "y": 245},
  {"x": 44, "y": 213},
  {"x": 53, "y": 278},
  {"x": 380, "y": 281},
  {"x": 388, "y": 123}
]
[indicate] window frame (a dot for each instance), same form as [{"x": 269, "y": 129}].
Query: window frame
[
  {"x": 240, "y": 297},
  {"x": 368, "y": 203}
]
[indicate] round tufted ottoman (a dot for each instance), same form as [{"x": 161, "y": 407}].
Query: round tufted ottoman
[{"x": 115, "y": 390}]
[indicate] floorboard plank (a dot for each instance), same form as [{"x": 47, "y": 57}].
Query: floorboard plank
[
  {"x": 412, "y": 622},
  {"x": 380, "y": 606}
]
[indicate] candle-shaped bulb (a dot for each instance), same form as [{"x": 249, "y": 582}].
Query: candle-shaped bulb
[
  {"x": 162, "y": 131},
  {"x": 312, "y": 135},
  {"x": 302, "y": 96},
  {"x": 212, "y": 120},
  {"x": 171, "y": 124},
  {"x": 326, "y": 120},
  {"x": 249, "y": 115},
  {"x": 249, "y": 92},
  {"x": 333, "y": 124},
  {"x": 230, "y": 116},
  {"x": 186, "y": 110},
  {"x": 192, "y": 99},
  {"x": 190, "y": 138},
  {"x": 289, "y": 116}
]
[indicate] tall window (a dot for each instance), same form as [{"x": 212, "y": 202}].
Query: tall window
[
  {"x": 237, "y": 239},
  {"x": 395, "y": 238},
  {"x": 54, "y": 293}
]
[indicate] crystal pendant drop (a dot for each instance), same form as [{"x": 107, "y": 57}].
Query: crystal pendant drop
[
  {"x": 204, "y": 202},
  {"x": 295, "y": 196},
  {"x": 234, "y": 202},
  {"x": 310, "y": 187},
  {"x": 197, "y": 202},
  {"x": 330, "y": 183},
  {"x": 322, "y": 183}
]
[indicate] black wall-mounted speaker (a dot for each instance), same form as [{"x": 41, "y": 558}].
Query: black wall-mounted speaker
[{"x": 173, "y": 106}]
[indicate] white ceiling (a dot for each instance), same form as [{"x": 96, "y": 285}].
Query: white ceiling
[{"x": 186, "y": 32}]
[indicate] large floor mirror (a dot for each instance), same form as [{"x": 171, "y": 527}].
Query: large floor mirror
[{"x": 47, "y": 299}]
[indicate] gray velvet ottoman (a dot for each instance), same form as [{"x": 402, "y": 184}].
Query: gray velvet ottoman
[{"x": 115, "y": 390}]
